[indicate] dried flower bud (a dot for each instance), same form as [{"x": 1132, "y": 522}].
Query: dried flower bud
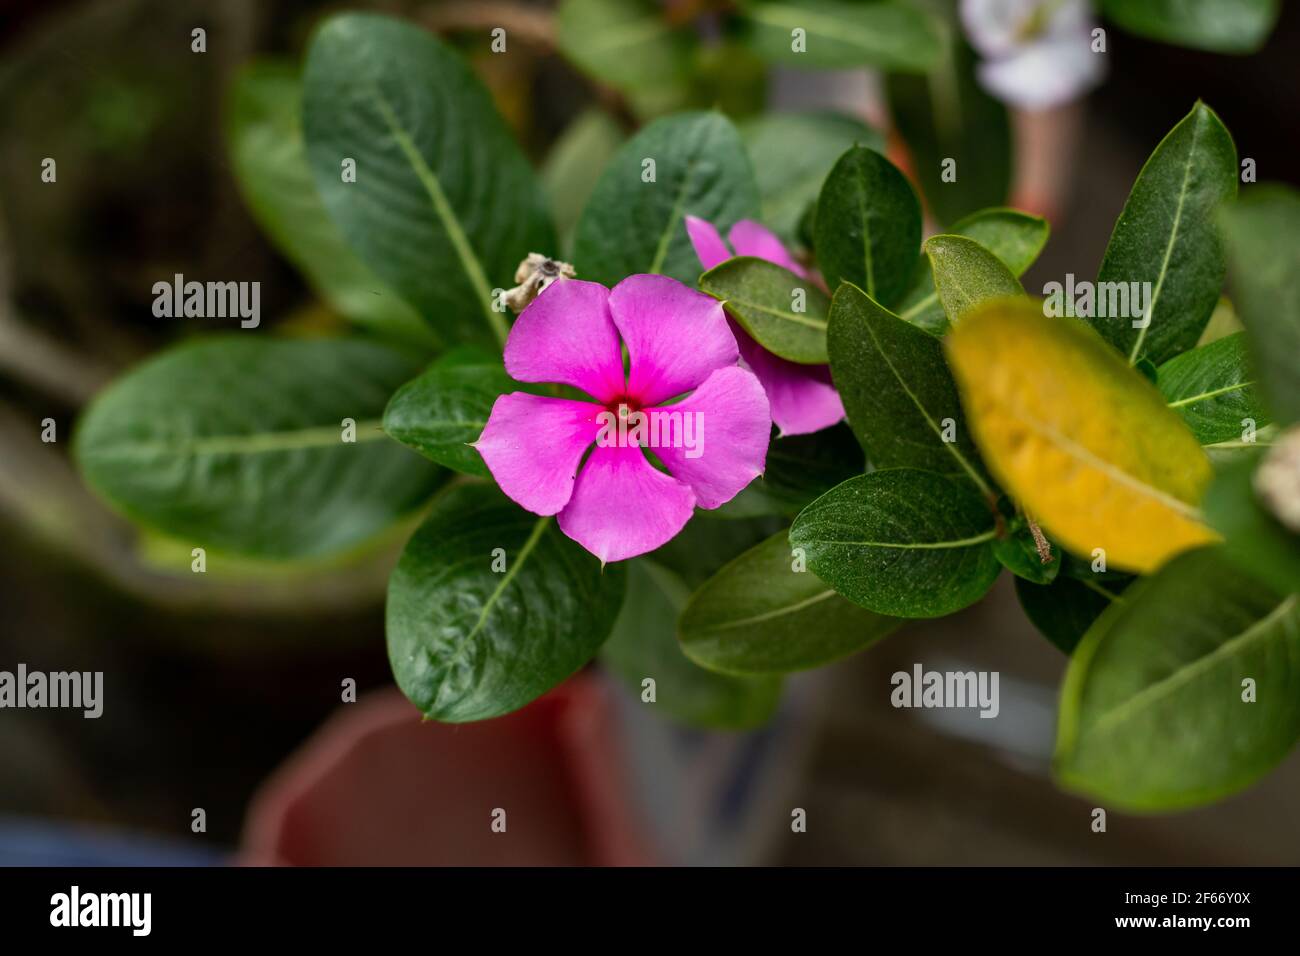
[
  {"x": 1277, "y": 480},
  {"x": 533, "y": 276}
]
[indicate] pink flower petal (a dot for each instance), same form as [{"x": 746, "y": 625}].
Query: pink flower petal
[
  {"x": 802, "y": 398},
  {"x": 709, "y": 247},
  {"x": 675, "y": 336},
  {"x": 533, "y": 446},
  {"x": 622, "y": 506},
  {"x": 731, "y": 436},
  {"x": 567, "y": 335},
  {"x": 749, "y": 238}
]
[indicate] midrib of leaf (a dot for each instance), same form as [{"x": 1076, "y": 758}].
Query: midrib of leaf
[
  {"x": 806, "y": 320},
  {"x": 259, "y": 443},
  {"x": 920, "y": 545},
  {"x": 1240, "y": 444},
  {"x": 1205, "y": 396},
  {"x": 866, "y": 241},
  {"x": 1188, "y": 672},
  {"x": 666, "y": 239},
  {"x": 769, "y": 615},
  {"x": 1169, "y": 246},
  {"x": 950, "y": 447},
  {"x": 1091, "y": 458},
  {"x": 442, "y": 208},
  {"x": 1088, "y": 457},
  {"x": 920, "y": 306},
  {"x": 539, "y": 528},
  {"x": 1108, "y": 595}
]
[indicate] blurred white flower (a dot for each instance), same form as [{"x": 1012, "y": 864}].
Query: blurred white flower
[{"x": 1037, "y": 53}]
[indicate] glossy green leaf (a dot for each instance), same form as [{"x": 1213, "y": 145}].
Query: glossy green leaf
[
  {"x": 839, "y": 34},
  {"x": 967, "y": 275},
  {"x": 1213, "y": 388},
  {"x": 760, "y": 616},
  {"x": 264, "y": 137},
  {"x": 1017, "y": 551},
  {"x": 784, "y": 313},
  {"x": 899, "y": 396},
  {"x": 1166, "y": 237},
  {"x": 792, "y": 154},
  {"x": 1254, "y": 539},
  {"x": 1264, "y": 246},
  {"x": 446, "y": 408},
  {"x": 798, "y": 469},
  {"x": 627, "y": 44},
  {"x": 947, "y": 115},
  {"x": 1222, "y": 26},
  {"x": 236, "y": 443},
  {"x": 902, "y": 542},
  {"x": 468, "y": 641},
  {"x": 1223, "y": 321},
  {"x": 574, "y": 164},
  {"x": 868, "y": 226},
  {"x": 444, "y": 206},
  {"x": 1064, "y": 609},
  {"x": 644, "y": 645},
  {"x": 1152, "y": 711},
  {"x": 690, "y": 164},
  {"x": 704, "y": 546},
  {"x": 1015, "y": 237}
]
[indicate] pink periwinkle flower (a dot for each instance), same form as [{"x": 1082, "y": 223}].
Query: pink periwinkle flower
[
  {"x": 615, "y": 503},
  {"x": 802, "y": 397}
]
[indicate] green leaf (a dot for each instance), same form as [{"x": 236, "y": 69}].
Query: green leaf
[
  {"x": 944, "y": 115},
  {"x": 902, "y": 542},
  {"x": 633, "y": 226},
  {"x": 800, "y": 468},
  {"x": 444, "y": 206},
  {"x": 235, "y": 443},
  {"x": 644, "y": 644},
  {"x": 1064, "y": 609},
  {"x": 868, "y": 226},
  {"x": 1015, "y": 237},
  {"x": 898, "y": 394},
  {"x": 1213, "y": 388},
  {"x": 792, "y": 153},
  {"x": 1152, "y": 715},
  {"x": 445, "y": 409},
  {"x": 573, "y": 166},
  {"x": 759, "y": 616},
  {"x": 1222, "y": 26},
  {"x": 1018, "y": 553},
  {"x": 783, "y": 312},
  {"x": 1264, "y": 245},
  {"x": 1166, "y": 237},
  {"x": 703, "y": 547},
  {"x": 1254, "y": 539},
  {"x": 264, "y": 136},
  {"x": 627, "y": 44},
  {"x": 966, "y": 275},
  {"x": 467, "y": 641},
  {"x": 1223, "y": 321},
  {"x": 841, "y": 34}
]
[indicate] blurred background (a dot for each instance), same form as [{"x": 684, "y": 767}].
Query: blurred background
[{"x": 223, "y": 692}]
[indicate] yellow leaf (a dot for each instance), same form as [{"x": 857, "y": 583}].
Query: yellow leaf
[{"x": 1085, "y": 443}]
